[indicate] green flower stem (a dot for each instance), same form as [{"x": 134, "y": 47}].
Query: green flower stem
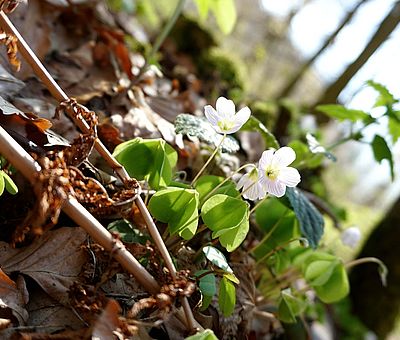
[
  {"x": 258, "y": 203},
  {"x": 268, "y": 235},
  {"x": 224, "y": 181},
  {"x": 383, "y": 269},
  {"x": 161, "y": 37},
  {"x": 209, "y": 160}
]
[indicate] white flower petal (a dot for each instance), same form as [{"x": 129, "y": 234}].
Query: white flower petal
[
  {"x": 284, "y": 156},
  {"x": 211, "y": 115},
  {"x": 351, "y": 236},
  {"x": 243, "y": 115},
  {"x": 225, "y": 107},
  {"x": 265, "y": 160},
  {"x": 255, "y": 192},
  {"x": 276, "y": 188},
  {"x": 242, "y": 181},
  {"x": 289, "y": 176}
]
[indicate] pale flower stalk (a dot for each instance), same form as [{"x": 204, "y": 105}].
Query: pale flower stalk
[
  {"x": 351, "y": 237},
  {"x": 275, "y": 173},
  {"x": 225, "y": 119},
  {"x": 252, "y": 188}
]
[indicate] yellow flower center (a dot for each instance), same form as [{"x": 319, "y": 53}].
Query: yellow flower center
[
  {"x": 225, "y": 124},
  {"x": 272, "y": 173}
]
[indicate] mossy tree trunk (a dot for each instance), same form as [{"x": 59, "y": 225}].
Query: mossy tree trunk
[{"x": 378, "y": 307}]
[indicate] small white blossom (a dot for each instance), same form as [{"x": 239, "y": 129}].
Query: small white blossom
[
  {"x": 252, "y": 188},
  {"x": 351, "y": 236},
  {"x": 225, "y": 119},
  {"x": 275, "y": 173}
]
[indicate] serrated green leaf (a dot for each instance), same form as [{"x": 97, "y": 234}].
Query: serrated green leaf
[
  {"x": 341, "y": 113},
  {"x": 225, "y": 14},
  {"x": 226, "y": 297},
  {"x": 289, "y": 307},
  {"x": 2, "y": 186},
  {"x": 310, "y": 219},
  {"x": 253, "y": 124},
  {"x": 179, "y": 208},
  {"x": 394, "y": 129},
  {"x": 126, "y": 232},
  {"x": 217, "y": 258},
  {"x": 11, "y": 187},
  {"x": 199, "y": 127},
  {"x": 382, "y": 151},
  {"x": 207, "y": 334},
  {"x": 385, "y": 98}
]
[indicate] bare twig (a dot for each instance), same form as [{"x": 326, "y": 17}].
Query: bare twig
[
  {"x": 14, "y": 153},
  {"x": 58, "y": 93}
]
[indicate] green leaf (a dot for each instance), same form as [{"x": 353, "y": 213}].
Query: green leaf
[
  {"x": 310, "y": 219},
  {"x": 382, "y": 151},
  {"x": 205, "y": 184},
  {"x": 394, "y": 129},
  {"x": 227, "y": 297},
  {"x": 253, "y": 124},
  {"x": 179, "y": 208},
  {"x": 225, "y": 14},
  {"x": 231, "y": 277},
  {"x": 2, "y": 186},
  {"x": 207, "y": 334},
  {"x": 304, "y": 156},
  {"x": 217, "y": 258},
  {"x": 200, "y": 127},
  {"x": 341, "y": 113},
  {"x": 336, "y": 288},
  {"x": 385, "y": 98},
  {"x": 289, "y": 306},
  {"x": 208, "y": 288},
  {"x": 317, "y": 273},
  {"x": 11, "y": 187},
  {"x": 223, "y": 212},
  {"x": 279, "y": 224},
  {"x": 203, "y": 7},
  {"x": 233, "y": 238},
  {"x": 149, "y": 159},
  {"x": 126, "y": 232}
]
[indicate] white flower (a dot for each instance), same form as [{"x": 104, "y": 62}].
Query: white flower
[
  {"x": 351, "y": 236},
  {"x": 225, "y": 119},
  {"x": 252, "y": 188},
  {"x": 275, "y": 173}
]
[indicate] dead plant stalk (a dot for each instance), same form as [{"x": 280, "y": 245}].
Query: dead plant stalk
[{"x": 58, "y": 93}]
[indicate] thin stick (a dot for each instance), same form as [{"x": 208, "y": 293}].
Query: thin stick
[
  {"x": 61, "y": 96},
  {"x": 16, "y": 155}
]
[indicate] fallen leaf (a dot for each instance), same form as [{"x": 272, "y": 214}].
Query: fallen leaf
[
  {"x": 108, "y": 322},
  {"x": 13, "y": 298},
  {"x": 54, "y": 260}
]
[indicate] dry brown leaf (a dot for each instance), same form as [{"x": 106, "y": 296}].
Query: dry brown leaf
[
  {"x": 54, "y": 260},
  {"x": 45, "y": 311},
  {"x": 13, "y": 298},
  {"x": 108, "y": 322}
]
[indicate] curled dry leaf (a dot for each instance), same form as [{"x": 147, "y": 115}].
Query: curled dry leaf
[
  {"x": 54, "y": 261},
  {"x": 13, "y": 298},
  {"x": 10, "y": 41},
  {"x": 10, "y": 5}
]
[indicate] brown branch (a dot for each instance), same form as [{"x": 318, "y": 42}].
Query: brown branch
[
  {"x": 22, "y": 161},
  {"x": 385, "y": 28},
  {"x": 58, "y": 93}
]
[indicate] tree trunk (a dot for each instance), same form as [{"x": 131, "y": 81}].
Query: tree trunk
[
  {"x": 378, "y": 307},
  {"x": 386, "y": 27},
  {"x": 290, "y": 85}
]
